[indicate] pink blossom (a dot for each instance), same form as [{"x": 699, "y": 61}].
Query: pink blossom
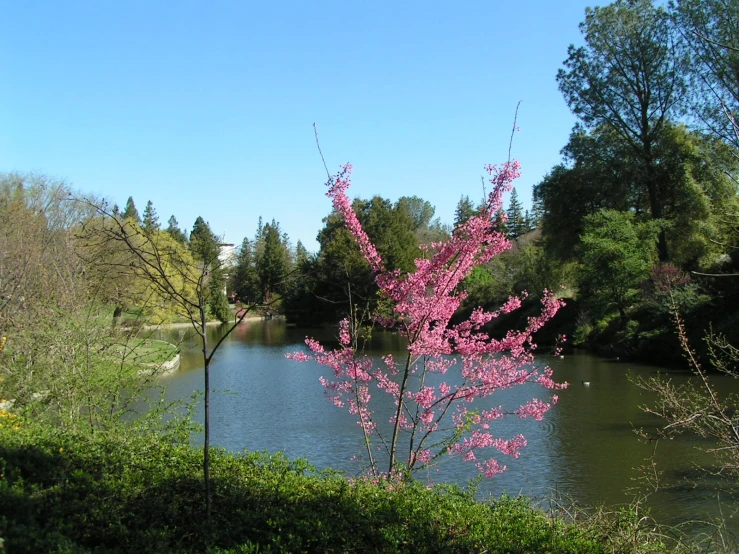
[{"x": 424, "y": 302}]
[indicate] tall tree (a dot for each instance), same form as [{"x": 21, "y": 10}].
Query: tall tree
[
  {"x": 596, "y": 173},
  {"x": 617, "y": 254},
  {"x": 206, "y": 248},
  {"x": 630, "y": 77},
  {"x": 203, "y": 241},
  {"x": 465, "y": 210},
  {"x": 601, "y": 172},
  {"x": 271, "y": 265},
  {"x": 301, "y": 254},
  {"x": 151, "y": 219},
  {"x": 245, "y": 279},
  {"x": 710, "y": 28},
  {"x": 516, "y": 225},
  {"x": 130, "y": 211},
  {"x": 187, "y": 277},
  {"x": 419, "y": 210},
  {"x": 173, "y": 229}
]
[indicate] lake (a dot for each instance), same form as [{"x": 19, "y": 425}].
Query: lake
[{"x": 586, "y": 449}]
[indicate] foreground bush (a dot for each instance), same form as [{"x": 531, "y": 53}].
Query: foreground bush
[{"x": 138, "y": 493}]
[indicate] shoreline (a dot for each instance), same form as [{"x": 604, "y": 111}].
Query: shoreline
[{"x": 187, "y": 324}]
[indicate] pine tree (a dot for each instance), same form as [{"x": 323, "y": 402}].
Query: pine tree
[
  {"x": 173, "y": 228},
  {"x": 527, "y": 225},
  {"x": 301, "y": 255},
  {"x": 203, "y": 242},
  {"x": 151, "y": 220},
  {"x": 205, "y": 246},
  {"x": 246, "y": 280},
  {"x": 465, "y": 210},
  {"x": 130, "y": 212},
  {"x": 272, "y": 263},
  {"x": 515, "y": 221}
]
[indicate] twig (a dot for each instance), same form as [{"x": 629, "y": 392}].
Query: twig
[
  {"x": 318, "y": 144},
  {"x": 513, "y": 130}
]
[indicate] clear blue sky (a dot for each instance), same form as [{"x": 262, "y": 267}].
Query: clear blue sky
[{"x": 206, "y": 108}]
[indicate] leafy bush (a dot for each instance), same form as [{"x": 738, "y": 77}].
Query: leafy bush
[{"x": 138, "y": 492}]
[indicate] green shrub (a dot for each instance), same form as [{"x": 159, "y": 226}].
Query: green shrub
[{"x": 135, "y": 492}]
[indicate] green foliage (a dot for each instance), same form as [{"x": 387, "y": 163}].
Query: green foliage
[
  {"x": 628, "y": 78},
  {"x": 598, "y": 173},
  {"x": 391, "y": 229},
  {"x": 245, "y": 278},
  {"x": 173, "y": 229},
  {"x": 339, "y": 276},
  {"x": 130, "y": 211},
  {"x": 61, "y": 360},
  {"x": 272, "y": 265},
  {"x": 137, "y": 491},
  {"x": 151, "y": 220},
  {"x": 264, "y": 266},
  {"x": 709, "y": 28},
  {"x": 203, "y": 242},
  {"x": 217, "y": 302},
  {"x": 634, "y": 98},
  {"x": 617, "y": 253},
  {"x": 206, "y": 248},
  {"x": 465, "y": 209},
  {"x": 515, "y": 223},
  {"x": 697, "y": 193}
]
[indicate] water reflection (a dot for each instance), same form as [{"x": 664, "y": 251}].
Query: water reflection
[{"x": 585, "y": 449}]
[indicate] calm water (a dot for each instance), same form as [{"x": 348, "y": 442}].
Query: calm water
[{"x": 585, "y": 449}]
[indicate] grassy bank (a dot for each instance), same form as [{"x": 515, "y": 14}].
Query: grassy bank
[
  {"x": 152, "y": 351},
  {"x": 138, "y": 492}
]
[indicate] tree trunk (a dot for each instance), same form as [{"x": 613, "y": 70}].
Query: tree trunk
[
  {"x": 396, "y": 427},
  {"x": 655, "y": 204},
  {"x": 206, "y": 439},
  {"x": 117, "y": 315}
]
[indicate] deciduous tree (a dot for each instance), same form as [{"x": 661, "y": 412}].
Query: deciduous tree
[
  {"x": 423, "y": 302},
  {"x": 187, "y": 277}
]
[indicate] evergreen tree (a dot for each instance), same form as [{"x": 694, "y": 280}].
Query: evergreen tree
[
  {"x": 710, "y": 30},
  {"x": 151, "y": 220},
  {"x": 205, "y": 247},
  {"x": 245, "y": 279},
  {"x": 203, "y": 242},
  {"x": 465, "y": 210},
  {"x": 515, "y": 223},
  {"x": 301, "y": 255},
  {"x": 630, "y": 78},
  {"x": 173, "y": 228},
  {"x": 271, "y": 264},
  {"x": 130, "y": 212},
  {"x": 527, "y": 224}
]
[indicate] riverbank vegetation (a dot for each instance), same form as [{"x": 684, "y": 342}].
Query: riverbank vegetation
[
  {"x": 139, "y": 489},
  {"x": 640, "y": 221}
]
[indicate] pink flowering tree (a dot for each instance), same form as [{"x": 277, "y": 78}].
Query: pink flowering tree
[{"x": 433, "y": 417}]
